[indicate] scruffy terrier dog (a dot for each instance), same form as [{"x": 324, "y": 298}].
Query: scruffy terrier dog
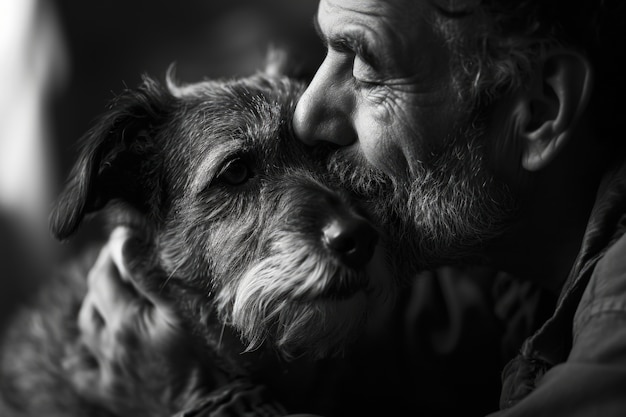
[{"x": 222, "y": 216}]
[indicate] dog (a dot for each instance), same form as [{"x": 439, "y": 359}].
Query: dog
[{"x": 223, "y": 218}]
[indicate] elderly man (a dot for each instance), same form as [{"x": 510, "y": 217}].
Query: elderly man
[
  {"x": 485, "y": 132},
  {"x": 491, "y": 128}
]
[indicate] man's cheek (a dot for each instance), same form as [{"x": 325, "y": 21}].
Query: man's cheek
[{"x": 379, "y": 139}]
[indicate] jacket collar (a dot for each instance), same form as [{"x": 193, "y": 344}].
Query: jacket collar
[{"x": 552, "y": 342}]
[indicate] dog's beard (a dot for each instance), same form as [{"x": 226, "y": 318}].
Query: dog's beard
[
  {"x": 301, "y": 302},
  {"x": 450, "y": 207}
]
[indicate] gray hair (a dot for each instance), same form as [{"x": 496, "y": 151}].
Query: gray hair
[{"x": 497, "y": 42}]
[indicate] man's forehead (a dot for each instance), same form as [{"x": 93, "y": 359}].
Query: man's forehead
[
  {"x": 335, "y": 15},
  {"x": 399, "y": 6},
  {"x": 364, "y": 7},
  {"x": 373, "y": 24}
]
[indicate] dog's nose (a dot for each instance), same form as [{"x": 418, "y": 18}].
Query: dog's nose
[{"x": 352, "y": 238}]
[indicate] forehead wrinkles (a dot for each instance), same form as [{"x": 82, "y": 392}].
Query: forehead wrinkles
[
  {"x": 389, "y": 8},
  {"x": 375, "y": 17},
  {"x": 391, "y": 26}
]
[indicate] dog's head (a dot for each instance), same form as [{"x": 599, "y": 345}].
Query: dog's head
[
  {"x": 234, "y": 217},
  {"x": 152, "y": 139}
]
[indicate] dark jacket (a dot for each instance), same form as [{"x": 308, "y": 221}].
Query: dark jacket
[{"x": 575, "y": 364}]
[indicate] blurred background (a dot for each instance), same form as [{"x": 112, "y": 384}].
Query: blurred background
[{"x": 63, "y": 60}]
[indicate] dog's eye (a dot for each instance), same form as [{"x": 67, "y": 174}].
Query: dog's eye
[{"x": 235, "y": 172}]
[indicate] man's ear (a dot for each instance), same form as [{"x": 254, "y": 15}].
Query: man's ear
[
  {"x": 118, "y": 160},
  {"x": 548, "y": 110}
]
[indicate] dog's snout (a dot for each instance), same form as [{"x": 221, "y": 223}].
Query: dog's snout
[{"x": 352, "y": 238}]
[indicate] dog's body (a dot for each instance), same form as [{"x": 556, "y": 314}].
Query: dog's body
[{"x": 225, "y": 218}]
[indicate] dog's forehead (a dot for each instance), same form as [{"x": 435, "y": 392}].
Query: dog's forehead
[
  {"x": 226, "y": 111},
  {"x": 217, "y": 120}
]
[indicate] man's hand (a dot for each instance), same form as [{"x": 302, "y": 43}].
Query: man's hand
[
  {"x": 132, "y": 349},
  {"x": 116, "y": 314}
]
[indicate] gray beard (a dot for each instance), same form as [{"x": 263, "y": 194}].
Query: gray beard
[{"x": 451, "y": 207}]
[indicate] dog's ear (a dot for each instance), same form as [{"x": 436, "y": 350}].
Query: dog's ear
[{"x": 118, "y": 159}]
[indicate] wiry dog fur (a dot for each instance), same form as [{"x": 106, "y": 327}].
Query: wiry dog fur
[{"x": 228, "y": 218}]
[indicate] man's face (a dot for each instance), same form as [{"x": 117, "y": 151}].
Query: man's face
[
  {"x": 384, "y": 88},
  {"x": 385, "y": 93}
]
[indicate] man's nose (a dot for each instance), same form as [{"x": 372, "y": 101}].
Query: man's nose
[{"x": 324, "y": 111}]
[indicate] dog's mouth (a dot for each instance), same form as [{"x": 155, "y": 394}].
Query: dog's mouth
[{"x": 344, "y": 286}]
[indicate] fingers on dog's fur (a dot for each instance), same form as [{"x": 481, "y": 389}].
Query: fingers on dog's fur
[
  {"x": 106, "y": 299},
  {"x": 116, "y": 156},
  {"x": 115, "y": 307}
]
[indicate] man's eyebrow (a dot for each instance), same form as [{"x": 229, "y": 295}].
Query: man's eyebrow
[{"x": 354, "y": 42}]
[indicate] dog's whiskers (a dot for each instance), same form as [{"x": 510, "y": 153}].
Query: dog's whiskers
[
  {"x": 221, "y": 338},
  {"x": 169, "y": 277}
]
